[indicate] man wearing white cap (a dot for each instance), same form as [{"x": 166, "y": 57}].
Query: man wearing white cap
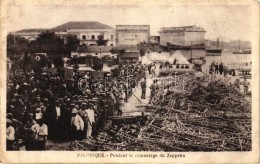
[
  {"x": 77, "y": 125},
  {"x": 91, "y": 120}
]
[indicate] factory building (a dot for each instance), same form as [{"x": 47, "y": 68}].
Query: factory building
[
  {"x": 132, "y": 34},
  {"x": 182, "y": 36}
]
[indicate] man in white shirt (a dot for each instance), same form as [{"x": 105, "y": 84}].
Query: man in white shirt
[
  {"x": 77, "y": 125},
  {"x": 38, "y": 114},
  {"x": 10, "y": 135},
  {"x": 91, "y": 117},
  {"x": 41, "y": 132}
]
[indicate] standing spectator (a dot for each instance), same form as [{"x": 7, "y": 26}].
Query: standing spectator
[
  {"x": 121, "y": 99},
  {"x": 237, "y": 84},
  {"x": 10, "y": 135},
  {"x": 17, "y": 125},
  {"x": 41, "y": 132},
  {"x": 75, "y": 68},
  {"x": 153, "y": 70},
  {"x": 246, "y": 85},
  {"x": 29, "y": 134},
  {"x": 38, "y": 102},
  {"x": 84, "y": 116},
  {"x": 143, "y": 87},
  {"x": 77, "y": 125},
  {"x": 216, "y": 68},
  {"x": 225, "y": 70},
  {"x": 91, "y": 120},
  {"x": 57, "y": 120},
  {"x": 38, "y": 114},
  {"x": 154, "y": 88},
  {"x": 221, "y": 68}
]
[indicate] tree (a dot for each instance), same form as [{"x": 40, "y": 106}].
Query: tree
[
  {"x": 71, "y": 43},
  {"x": 117, "y": 51},
  {"x": 49, "y": 43},
  {"x": 17, "y": 44},
  {"x": 101, "y": 41}
]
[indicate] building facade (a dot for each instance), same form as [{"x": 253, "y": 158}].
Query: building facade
[
  {"x": 87, "y": 32},
  {"x": 90, "y": 36},
  {"x": 29, "y": 34},
  {"x": 132, "y": 34},
  {"x": 183, "y": 36}
]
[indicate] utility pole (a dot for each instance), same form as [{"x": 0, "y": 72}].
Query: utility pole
[
  {"x": 14, "y": 39},
  {"x": 127, "y": 81},
  {"x": 222, "y": 44},
  {"x": 191, "y": 52}
]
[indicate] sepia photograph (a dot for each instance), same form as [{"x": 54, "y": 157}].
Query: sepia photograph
[{"x": 101, "y": 78}]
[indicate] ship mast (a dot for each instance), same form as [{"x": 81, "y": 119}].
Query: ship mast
[{"x": 222, "y": 44}]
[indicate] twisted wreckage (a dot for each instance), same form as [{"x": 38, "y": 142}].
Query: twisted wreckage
[{"x": 209, "y": 115}]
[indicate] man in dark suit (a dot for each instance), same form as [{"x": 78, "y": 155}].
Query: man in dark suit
[{"x": 57, "y": 117}]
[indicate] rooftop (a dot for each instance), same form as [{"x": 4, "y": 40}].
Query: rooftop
[
  {"x": 128, "y": 48},
  {"x": 31, "y": 30},
  {"x": 81, "y": 25},
  {"x": 182, "y": 28},
  {"x": 94, "y": 48}
]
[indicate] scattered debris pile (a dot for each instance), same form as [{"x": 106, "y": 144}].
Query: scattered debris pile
[{"x": 209, "y": 115}]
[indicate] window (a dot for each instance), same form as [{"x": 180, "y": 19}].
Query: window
[
  {"x": 83, "y": 37},
  {"x": 93, "y": 37},
  {"x": 111, "y": 37}
]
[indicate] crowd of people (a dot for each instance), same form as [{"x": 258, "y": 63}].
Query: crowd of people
[
  {"x": 43, "y": 105},
  {"x": 221, "y": 69},
  {"x": 46, "y": 105}
]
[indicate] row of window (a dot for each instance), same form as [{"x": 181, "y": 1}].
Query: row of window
[{"x": 93, "y": 37}]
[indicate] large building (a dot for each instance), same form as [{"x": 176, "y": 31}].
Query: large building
[
  {"x": 132, "y": 34},
  {"x": 182, "y": 36},
  {"x": 29, "y": 34},
  {"x": 87, "y": 32}
]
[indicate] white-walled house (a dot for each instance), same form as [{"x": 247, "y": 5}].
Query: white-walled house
[{"x": 87, "y": 32}]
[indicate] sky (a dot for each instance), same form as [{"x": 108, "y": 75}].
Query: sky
[{"x": 226, "y": 22}]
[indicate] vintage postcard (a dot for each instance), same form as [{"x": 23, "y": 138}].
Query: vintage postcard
[{"x": 129, "y": 82}]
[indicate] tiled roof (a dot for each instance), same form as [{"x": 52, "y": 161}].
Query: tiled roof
[
  {"x": 31, "y": 30},
  {"x": 130, "y": 55},
  {"x": 128, "y": 48},
  {"x": 81, "y": 25},
  {"x": 182, "y": 28},
  {"x": 95, "y": 48}
]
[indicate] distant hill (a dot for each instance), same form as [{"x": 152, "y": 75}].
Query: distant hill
[{"x": 232, "y": 45}]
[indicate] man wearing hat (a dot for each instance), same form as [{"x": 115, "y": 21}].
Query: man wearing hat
[
  {"x": 38, "y": 114},
  {"x": 16, "y": 124},
  {"x": 40, "y": 132},
  {"x": 10, "y": 135},
  {"x": 143, "y": 87},
  {"x": 91, "y": 120},
  {"x": 29, "y": 135},
  {"x": 18, "y": 105},
  {"x": 57, "y": 119},
  {"x": 77, "y": 125},
  {"x": 154, "y": 87},
  {"x": 38, "y": 102},
  {"x": 84, "y": 116}
]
